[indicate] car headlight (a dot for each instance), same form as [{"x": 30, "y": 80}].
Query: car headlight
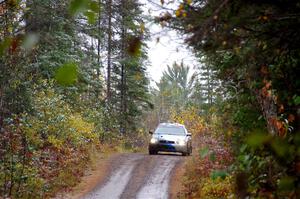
[
  {"x": 181, "y": 142},
  {"x": 153, "y": 140}
]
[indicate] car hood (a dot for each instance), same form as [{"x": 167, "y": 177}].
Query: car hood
[{"x": 169, "y": 137}]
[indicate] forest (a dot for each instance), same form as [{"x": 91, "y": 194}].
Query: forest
[{"x": 74, "y": 83}]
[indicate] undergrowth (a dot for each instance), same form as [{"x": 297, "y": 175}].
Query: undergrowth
[{"x": 48, "y": 151}]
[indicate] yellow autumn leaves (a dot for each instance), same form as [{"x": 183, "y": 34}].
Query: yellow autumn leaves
[
  {"x": 181, "y": 12},
  {"x": 59, "y": 124},
  {"x": 189, "y": 117}
]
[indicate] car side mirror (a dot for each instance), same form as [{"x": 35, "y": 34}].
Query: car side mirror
[
  {"x": 150, "y": 132},
  {"x": 189, "y": 134}
]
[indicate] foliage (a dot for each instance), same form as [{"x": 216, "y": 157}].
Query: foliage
[
  {"x": 172, "y": 93},
  {"x": 218, "y": 188},
  {"x": 211, "y": 159},
  {"x": 243, "y": 44},
  {"x": 56, "y": 121},
  {"x": 53, "y": 109},
  {"x": 46, "y": 148},
  {"x": 246, "y": 85},
  {"x": 190, "y": 118},
  {"x": 244, "y": 40},
  {"x": 67, "y": 74},
  {"x": 207, "y": 88}
]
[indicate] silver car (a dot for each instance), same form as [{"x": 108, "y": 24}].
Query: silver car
[{"x": 170, "y": 137}]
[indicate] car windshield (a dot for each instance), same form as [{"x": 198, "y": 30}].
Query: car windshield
[{"x": 171, "y": 130}]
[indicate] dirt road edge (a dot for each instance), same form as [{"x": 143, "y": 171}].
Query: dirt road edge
[
  {"x": 96, "y": 175},
  {"x": 176, "y": 180}
]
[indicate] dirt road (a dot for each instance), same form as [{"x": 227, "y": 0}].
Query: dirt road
[{"x": 139, "y": 176}]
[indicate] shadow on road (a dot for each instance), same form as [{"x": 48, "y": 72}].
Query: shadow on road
[{"x": 168, "y": 154}]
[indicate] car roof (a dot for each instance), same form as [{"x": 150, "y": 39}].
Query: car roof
[{"x": 169, "y": 124}]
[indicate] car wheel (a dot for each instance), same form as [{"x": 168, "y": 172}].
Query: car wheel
[
  {"x": 184, "y": 154},
  {"x": 152, "y": 152},
  {"x": 190, "y": 151}
]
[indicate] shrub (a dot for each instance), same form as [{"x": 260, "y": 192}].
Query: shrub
[
  {"x": 206, "y": 174},
  {"x": 218, "y": 188},
  {"x": 44, "y": 152},
  {"x": 190, "y": 118}
]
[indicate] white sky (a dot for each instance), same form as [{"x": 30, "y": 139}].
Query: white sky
[{"x": 170, "y": 47}]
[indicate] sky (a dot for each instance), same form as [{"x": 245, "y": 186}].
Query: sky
[{"x": 166, "y": 50}]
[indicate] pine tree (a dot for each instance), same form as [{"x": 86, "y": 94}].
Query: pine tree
[
  {"x": 174, "y": 92},
  {"x": 130, "y": 87},
  {"x": 206, "y": 89}
]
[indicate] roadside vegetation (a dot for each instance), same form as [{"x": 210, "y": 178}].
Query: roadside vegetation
[
  {"x": 58, "y": 110},
  {"x": 73, "y": 84},
  {"x": 245, "y": 91},
  {"x": 211, "y": 160}
]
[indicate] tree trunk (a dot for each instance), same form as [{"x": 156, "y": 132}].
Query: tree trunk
[
  {"x": 99, "y": 45},
  {"x": 123, "y": 71},
  {"x": 109, "y": 51},
  {"x": 269, "y": 110}
]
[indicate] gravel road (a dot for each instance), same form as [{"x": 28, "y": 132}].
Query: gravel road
[{"x": 137, "y": 176}]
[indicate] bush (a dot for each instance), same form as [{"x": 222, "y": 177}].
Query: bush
[
  {"x": 190, "y": 118},
  {"x": 218, "y": 188},
  {"x": 207, "y": 172},
  {"x": 44, "y": 152}
]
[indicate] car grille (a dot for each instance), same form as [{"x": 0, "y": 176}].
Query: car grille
[{"x": 166, "y": 142}]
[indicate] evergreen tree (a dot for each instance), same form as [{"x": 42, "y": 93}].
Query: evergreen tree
[
  {"x": 207, "y": 87},
  {"x": 129, "y": 83},
  {"x": 175, "y": 89}
]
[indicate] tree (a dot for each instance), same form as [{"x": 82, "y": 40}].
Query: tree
[
  {"x": 251, "y": 47},
  {"x": 207, "y": 87},
  {"x": 247, "y": 45},
  {"x": 109, "y": 49},
  {"x": 130, "y": 90},
  {"x": 53, "y": 101},
  {"x": 174, "y": 91}
]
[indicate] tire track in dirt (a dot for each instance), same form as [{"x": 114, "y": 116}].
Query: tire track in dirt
[
  {"x": 157, "y": 185},
  {"x": 137, "y": 176}
]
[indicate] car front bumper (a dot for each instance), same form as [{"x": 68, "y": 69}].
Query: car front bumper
[{"x": 168, "y": 147}]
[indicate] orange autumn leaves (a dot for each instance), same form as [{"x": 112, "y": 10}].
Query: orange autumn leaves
[
  {"x": 282, "y": 126},
  {"x": 282, "y": 123}
]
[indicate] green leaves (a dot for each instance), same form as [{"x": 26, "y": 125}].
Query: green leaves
[
  {"x": 286, "y": 183},
  {"x": 204, "y": 152},
  {"x": 212, "y": 156},
  {"x": 282, "y": 148},
  {"x": 77, "y": 6},
  {"x": 256, "y": 140},
  {"x": 279, "y": 146},
  {"x": 67, "y": 74},
  {"x": 94, "y": 6},
  {"x": 218, "y": 174},
  {"x": 91, "y": 16},
  {"x": 296, "y": 99},
  {"x": 88, "y": 7},
  {"x": 4, "y": 45}
]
